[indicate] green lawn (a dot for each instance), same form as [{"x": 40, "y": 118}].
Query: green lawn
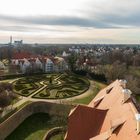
[
  {"x": 134, "y": 71},
  {"x": 34, "y": 127},
  {"x": 88, "y": 99},
  {"x": 138, "y": 98},
  {"x": 58, "y": 137}
]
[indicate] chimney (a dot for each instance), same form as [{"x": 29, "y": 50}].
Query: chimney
[
  {"x": 126, "y": 94},
  {"x": 123, "y": 83},
  {"x": 138, "y": 122}
]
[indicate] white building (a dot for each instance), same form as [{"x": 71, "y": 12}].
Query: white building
[
  {"x": 2, "y": 66},
  {"x": 49, "y": 66},
  {"x": 18, "y": 42},
  {"x": 38, "y": 63},
  {"x": 25, "y": 65},
  {"x": 64, "y": 54},
  {"x": 35, "y": 63}
]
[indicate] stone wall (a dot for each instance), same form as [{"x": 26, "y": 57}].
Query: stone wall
[
  {"x": 17, "y": 118},
  {"x": 53, "y": 132}
]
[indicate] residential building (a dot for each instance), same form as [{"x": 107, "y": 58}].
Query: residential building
[
  {"x": 36, "y": 63},
  {"x": 2, "y": 66},
  {"x": 49, "y": 66},
  {"x": 64, "y": 54}
]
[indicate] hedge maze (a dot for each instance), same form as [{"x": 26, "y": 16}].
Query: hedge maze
[
  {"x": 66, "y": 86},
  {"x": 27, "y": 85},
  {"x": 56, "y": 86}
]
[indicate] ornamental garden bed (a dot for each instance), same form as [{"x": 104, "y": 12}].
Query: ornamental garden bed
[
  {"x": 27, "y": 85},
  {"x": 58, "y": 86},
  {"x": 69, "y": 86}
]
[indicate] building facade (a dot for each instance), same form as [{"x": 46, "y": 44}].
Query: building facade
[{"x": 28, "y": 62}]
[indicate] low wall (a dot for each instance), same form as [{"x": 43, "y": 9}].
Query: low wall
[
  {"x": 17, "y": 118},
  {"x": 53, "y": 132}
]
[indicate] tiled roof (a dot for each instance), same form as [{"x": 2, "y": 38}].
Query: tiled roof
[
  {"x": 87, "y": 124},
  {"x": 30, "y": 57},
  {"x": 22, "y": 55},
  {"x": 119, "y": 122}
]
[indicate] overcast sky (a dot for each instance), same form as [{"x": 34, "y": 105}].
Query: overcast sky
[{"x": 70, "y": 21}]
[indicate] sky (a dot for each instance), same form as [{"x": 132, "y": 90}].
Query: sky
[{"x": 70, "y": 21}]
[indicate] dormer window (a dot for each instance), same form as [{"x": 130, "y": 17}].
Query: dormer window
[
  {"x": 98, "y": 101},
  {"x": 116, "y": 123},
  {"x": 123, "y": 83},
  {"x": 109, "y": 90},
  {"x": 126, "y": 95},
  {"x": 138, "y": 122}
]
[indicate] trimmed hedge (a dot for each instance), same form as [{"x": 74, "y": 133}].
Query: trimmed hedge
[
  {"x": 25, "y": 91},
  {"x": 19, "y": 87}
]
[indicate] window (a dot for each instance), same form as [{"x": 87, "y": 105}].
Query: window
[
  {"x": 109, "y": 90},
  {"x": 98, "y": 101},
  {"x": 116, "y": 123}
]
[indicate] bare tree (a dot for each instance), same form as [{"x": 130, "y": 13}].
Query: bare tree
[
  {"x": 115, "y": 71},
  {"x": 4, "y": 101}
]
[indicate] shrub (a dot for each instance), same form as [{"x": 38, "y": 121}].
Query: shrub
[
  {"x": 46, "y": 94},
  {"x": 42, "y": 95},
  {"x": 19, "y": 87},
  {"x": 25, "y": 91}
]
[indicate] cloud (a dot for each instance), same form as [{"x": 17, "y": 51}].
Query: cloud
[
  {"x": 97, "y": 14},
  {"x": 58, "y": 21},
  {"x": 83, "y": 18},
  {"x": 120, "y": 13},
  {"x": 25, "y": 28}
]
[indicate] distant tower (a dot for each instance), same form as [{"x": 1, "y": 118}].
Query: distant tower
[{"x": 11, "y": 40}]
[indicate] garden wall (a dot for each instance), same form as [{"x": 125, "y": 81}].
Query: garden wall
[
  {"x": 53, "y": 132},
  {"x": 17, "y": 118}
]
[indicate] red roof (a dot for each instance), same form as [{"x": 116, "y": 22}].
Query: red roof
[
  {"x": 30, "y": 57},
  {"x": 22, "y": 55},
  {"x": 119, "y": 122},
  {"x": 84, "y": 123}
]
